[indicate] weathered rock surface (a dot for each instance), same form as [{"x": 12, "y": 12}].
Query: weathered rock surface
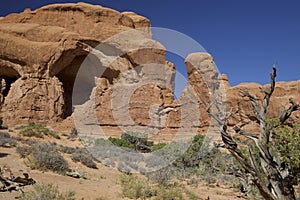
[{"x": 126, "y": 79}]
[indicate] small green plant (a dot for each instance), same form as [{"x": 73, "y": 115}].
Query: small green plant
[
  {"x": 73, "y": 134},
  {"x": 47, "y": 192}
]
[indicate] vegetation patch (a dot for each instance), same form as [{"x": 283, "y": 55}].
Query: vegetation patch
[
  {"x": 47, "y": 192},
  {"x": 136, "y": 141},
  {"x": 38, "y": 131},
  {"x": 84, "y": 157},
  {"x": 6, "y": 140},
  {"x": 47, "y": 156},
  {"x": 135, "y": 188}
]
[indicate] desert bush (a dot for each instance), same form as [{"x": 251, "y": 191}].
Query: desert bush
[
  {"x": 66, "y": 149},
  {"x": 84, "y": 157},
  {"x": 73, "y": 134},
  {"x": 192, "y": 155},
  {"x": 47, "y": 192},
  {"x": 162, "y": 176},
  {"x": 24, "y": 151},
  {"x": 43, "y": 156},
  {"x": 39, "y": 131},
  {"x": 11, "y": 142},
  {"x": 48, "y": 161},
  {"x": 6, "y": 139}
]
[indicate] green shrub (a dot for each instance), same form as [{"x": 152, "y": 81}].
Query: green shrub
[
  {"x": 137, "y": 141},
  {"x": 286, "y": 140},
  {"x": 39, "y": 131},
  {"x": 46, "y": 192},
  {"x": 29, "y": 132},
  {"x": 135, "y": 137},
  {"x": 73, "y": 134},
  {"x": 121, "y": 142},
  {"x": 191, "y": 157}
]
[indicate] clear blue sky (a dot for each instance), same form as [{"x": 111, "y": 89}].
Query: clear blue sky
[{"x": 245, "y": 37}]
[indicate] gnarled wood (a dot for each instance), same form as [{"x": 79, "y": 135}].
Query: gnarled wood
[{"x": 278, "y": 187}]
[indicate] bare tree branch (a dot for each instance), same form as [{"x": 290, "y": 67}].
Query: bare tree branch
[
  {"x": 253, "y": 161},
  {"x": 268, "y": 94},
  {"x": 285, "y": 114}
]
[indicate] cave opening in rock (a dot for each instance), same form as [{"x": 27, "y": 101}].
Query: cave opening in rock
[
  {"x": 7, "y": 77},
  {"x": 78, "y": 80},
  {"x": 67, "y": 77}
]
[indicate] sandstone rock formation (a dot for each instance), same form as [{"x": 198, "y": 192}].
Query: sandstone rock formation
[{"x": 126, "y": 79}]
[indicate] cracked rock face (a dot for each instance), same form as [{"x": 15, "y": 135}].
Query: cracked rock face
[{"x": 126, "y": 79}]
